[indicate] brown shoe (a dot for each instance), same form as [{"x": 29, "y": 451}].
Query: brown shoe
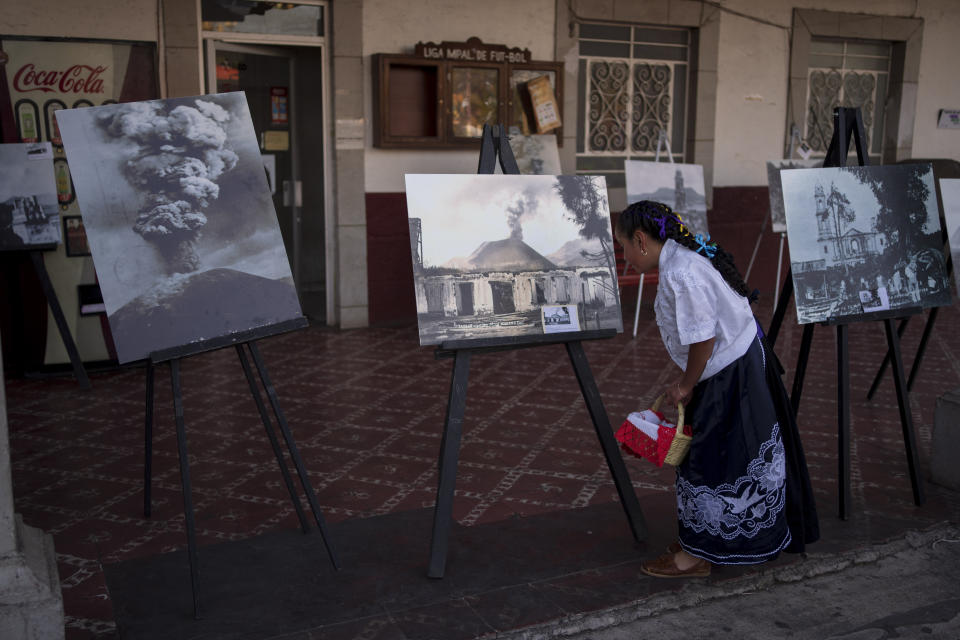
[
  {"x": 674, "y": 547},
  {"x": 666, "y": 567}
]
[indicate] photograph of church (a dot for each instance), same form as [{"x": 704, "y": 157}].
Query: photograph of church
[
  {"x": 863, "y": 229},
  {"x": 490, "y": 251},
  {"x": 774, "y": 167},
  {"x": 679, "y": 186}
]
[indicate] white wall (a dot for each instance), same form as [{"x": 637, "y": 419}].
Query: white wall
[
  {"x": 102, "y": 19},
  {"x": 753, "y": 71},
  {"x": 939, "y": 86},
  {"x": 395, "y": 27}
]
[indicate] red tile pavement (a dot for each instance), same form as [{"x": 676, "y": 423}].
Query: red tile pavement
[{"x": 367, "y": 407}]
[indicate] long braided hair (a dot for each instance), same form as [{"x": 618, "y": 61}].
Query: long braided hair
[{"x": 659, "y": 221}]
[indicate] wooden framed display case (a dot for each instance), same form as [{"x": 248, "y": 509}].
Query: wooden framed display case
[{"x": 422, "y": 103}]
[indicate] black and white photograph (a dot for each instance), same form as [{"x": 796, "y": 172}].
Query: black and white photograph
[
  {"x": 855, "y": 229},
  {"x": 29, "y": 214},
  {"x": 536, "y": 155},
  {"x": 179, "y": 219},
  {"x": 774, "y": 167},
  {"x": 874, "y": 300},
  {"x": 491, "y": 251},
  {"x": 679, "y": 186},
  {"x": 559, "y": 318},
  {"x": 950, "y": 193}
]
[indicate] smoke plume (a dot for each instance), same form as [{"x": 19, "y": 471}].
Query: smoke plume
[
  {"x": 524, "y": 207},
  {"x": 179, "y": 156}
]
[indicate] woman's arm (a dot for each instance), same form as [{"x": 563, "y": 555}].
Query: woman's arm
[{"x": 682, "y": 389}]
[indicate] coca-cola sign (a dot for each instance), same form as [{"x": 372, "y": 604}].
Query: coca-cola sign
[{"x": 75, "y": 79}]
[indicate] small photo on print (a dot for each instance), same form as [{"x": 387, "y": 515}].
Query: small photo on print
[
  {"x": 560, "y": 318},
  {"x": 875, "y": 299},
  {"x": 75, "y": 237}
]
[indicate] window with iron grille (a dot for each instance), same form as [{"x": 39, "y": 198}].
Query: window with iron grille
[
  {"x": 633, "y": 84},
  {"x": 847, "y": 73}
]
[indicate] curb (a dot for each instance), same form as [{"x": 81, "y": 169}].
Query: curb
[{"x": 811, "y": 565}]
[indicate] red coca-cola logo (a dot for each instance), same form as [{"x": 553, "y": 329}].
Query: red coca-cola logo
[{"x": 79, "y": 78}]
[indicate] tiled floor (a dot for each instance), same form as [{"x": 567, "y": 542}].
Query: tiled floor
[{"x": 367, "y": 408}]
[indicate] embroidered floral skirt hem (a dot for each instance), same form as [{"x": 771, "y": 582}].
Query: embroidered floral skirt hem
[{"x": 731, "y": 489}]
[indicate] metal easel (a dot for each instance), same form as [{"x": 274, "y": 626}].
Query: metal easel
[
  {"x": 794, "y": 137},
  {"x": 662, "y": 142}
]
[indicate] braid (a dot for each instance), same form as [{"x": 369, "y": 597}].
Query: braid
[{"x": 659, "y": 221}]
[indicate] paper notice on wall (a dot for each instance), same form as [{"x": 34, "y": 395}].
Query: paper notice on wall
[{"x": 546, "y": 111}]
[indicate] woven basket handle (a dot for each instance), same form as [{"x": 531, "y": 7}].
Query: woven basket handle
[{"x": 659, "y": 401}]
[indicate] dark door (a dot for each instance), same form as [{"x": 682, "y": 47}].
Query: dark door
[
  {"x": 503, "y": 297},
  {"x": 465, "y": 300}
]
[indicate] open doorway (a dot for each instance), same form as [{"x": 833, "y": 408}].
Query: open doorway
[{"x": 284, "y": 90}]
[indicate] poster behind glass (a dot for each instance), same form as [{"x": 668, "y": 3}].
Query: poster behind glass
[{"x": 44, "y": 78}]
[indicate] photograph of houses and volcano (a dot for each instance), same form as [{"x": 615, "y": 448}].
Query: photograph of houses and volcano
[
  {"x": 679, "y": 186},
  {"x": 864, "y": 233},
  {"x": 180, "y": 220},
  {"x": 490, "y": 251},
  {"x": 29, "y": 214}
]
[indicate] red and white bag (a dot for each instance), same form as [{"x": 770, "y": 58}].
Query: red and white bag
[{"x": 649, "y": 435}]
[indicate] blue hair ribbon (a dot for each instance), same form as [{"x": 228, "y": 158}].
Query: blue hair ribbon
[{"x": 709, "y": 250}]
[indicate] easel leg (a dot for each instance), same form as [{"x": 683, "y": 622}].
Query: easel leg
[
  {"x": 886, "y": 361},
  {"x": 843, "y": 422},
  {"x": 636, "y": 313},
  {"x": 78, "y": 370},
  {"x": 447, "y": 466},
  {"x": 277, "y": 452},
  {"x": 185, "y": 485},
  {"x": 601, "y": 423},
  {"x": 801, "y": 371},
  {"x": 148, "y": 443},
  {"x": 927, "y": 330},
  {"x": 906, "y": 422},
  {"x": 294, "y": 452},
  {"x": 781, "y": 310},
  {"x": 776, "y": 284}
]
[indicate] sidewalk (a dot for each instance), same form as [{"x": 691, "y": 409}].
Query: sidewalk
[
  {"x": 903, "y": 589},
  {"x": 539, "y": 536}
]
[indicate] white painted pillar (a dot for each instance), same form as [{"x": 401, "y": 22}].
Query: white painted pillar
[{"x": 31, "y": 607}]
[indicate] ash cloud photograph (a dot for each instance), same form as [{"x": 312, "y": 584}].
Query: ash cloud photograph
[
  {"x": 679, "y": 186},
  {"x": 490, "y": 251},
  {"x": 180, "y": 220},
  {"x": 856, "y": 229},
  {"x": 774, "y": 167},
  {"x": 29, "y": 213}
]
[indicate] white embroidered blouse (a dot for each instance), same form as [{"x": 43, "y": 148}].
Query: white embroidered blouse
[{"x": 694, "y": 303}]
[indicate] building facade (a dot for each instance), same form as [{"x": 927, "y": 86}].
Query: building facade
[{"x": 726, "y": 85}]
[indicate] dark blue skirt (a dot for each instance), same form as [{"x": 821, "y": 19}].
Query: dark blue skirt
[{"x": 742, "y": 495}]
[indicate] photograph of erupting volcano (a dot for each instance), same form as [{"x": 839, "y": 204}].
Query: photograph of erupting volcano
[
  {"x": 29, "y": 215},
  {"x": 179, "y": 219},
  {"x": 491, "y": 251}
]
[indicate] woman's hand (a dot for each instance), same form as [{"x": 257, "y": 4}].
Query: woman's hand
[{"x": 677, "y": 393}]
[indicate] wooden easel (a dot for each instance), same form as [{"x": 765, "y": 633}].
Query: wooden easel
[
  {"x": 847, "y": 124},
  {"x": 495, "y": 140},
  {"x": 243, "y": 342}
]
